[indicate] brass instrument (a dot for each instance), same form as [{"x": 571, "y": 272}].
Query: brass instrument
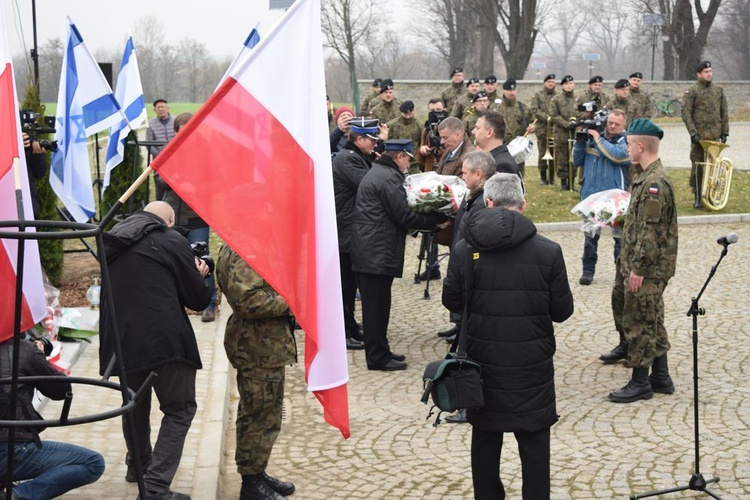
[
  {"x": 571, "y": 144},
  {"x": 550, "y": 141},
  {"x": 717, "y": 176}
]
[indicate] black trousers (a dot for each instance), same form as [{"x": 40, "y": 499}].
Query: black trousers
[
  {"x": 348, "y": 293},
  {"x": 533, "y": 447},
  {"x": 375, "y": 291}
]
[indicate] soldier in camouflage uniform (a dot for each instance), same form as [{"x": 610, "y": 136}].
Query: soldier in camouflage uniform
[
  {"x": 370, "y": 99},
  {"x": 647, "y": 261},
  {"x": 706, "y": 116},
  {"x": 259, "y": 343},
  {"x": 563, "y": 107},
  {"x": 464, "y": 102},
  {"x": 624, "y": 102},
  {"x": 490, "y": 86},
  {"x": 540, "y": 110},
  {"x": 406, "y": 127},
  {"x": 479, "y": 104},
  {"x": 387, "y": 109},
  {"x": 516, "y": 116},
  {"x": 595, "y": 94},
  {"x": 637, "y": 94},
  {"x": 455, "y": 90}
]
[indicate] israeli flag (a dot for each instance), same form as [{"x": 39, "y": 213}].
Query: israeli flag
[
  {"x": 251, "y": 41},
  {"x": 85, "y": 106},
  {"x": 129, "y": 93}
]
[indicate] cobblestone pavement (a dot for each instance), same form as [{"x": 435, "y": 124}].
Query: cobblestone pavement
[{"x": 599, "y": 449}]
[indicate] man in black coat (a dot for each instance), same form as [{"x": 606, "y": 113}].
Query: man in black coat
[
  {"x": 488, "y": 134},
  {"x": 349, "y": 168},
  {"x": 154, "y": 276},
  {"x": 518, "y": 288},
  {"x": 381, "y": 219}
]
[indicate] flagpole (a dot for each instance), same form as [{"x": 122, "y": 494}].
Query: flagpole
[{"x": 121, "y": 201}]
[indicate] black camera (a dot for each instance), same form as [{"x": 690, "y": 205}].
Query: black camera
[
  {"x": 588, "y": 107},
  {"x": 30, "y": 125},
  {"x": 200, "y": 250},
  {"x": 598, "y": 122},
  {"x": 433, "y": 120}
]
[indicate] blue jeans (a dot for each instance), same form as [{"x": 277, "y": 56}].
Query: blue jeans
[
  {"x": 201, "y": 234},
  {"x": 51, "y": 471},
  {"x": 590, "y": 245}
]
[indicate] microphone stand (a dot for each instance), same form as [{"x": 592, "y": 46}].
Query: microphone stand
[{"x": 697, "y": 481}]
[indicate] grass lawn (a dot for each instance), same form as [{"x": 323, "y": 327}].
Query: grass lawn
[{"x": 175, "y": 108}]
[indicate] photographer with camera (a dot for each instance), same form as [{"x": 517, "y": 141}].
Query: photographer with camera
[
  {"x": 48, "y": 469},
  {"x": 603, "y": 152},
  {"x": 154, "y": 277},
  {"x": 429, "y": 142},
  {"x": 36, "y": 150}
]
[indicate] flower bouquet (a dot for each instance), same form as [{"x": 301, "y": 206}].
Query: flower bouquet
[
  {"x": 606, "y": 208},
  {"x": 431, "y": 192}
]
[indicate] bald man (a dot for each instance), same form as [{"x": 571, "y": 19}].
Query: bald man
[{"x": 154, "y": 277}]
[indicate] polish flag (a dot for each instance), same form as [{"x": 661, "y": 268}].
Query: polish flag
[
  {"x": 33, "y": 304},
  {"x": 254, "y": 163}
]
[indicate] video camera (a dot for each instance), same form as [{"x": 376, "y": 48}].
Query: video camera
[
  {"x": 433, "y": 120},
  {"x": 30, "y": 125},
  {"x": 200, "y": 250},
  {"x": 597, "y": 122}
]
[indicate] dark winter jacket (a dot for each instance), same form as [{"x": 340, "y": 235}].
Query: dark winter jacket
[
  {"x": 504, "y": 161},
  {"x": 153, "y": 274},
  {"x": 381, "y": 219},
  {"x": 519, "y": 287},
  {"x": 349, "y": 168}
]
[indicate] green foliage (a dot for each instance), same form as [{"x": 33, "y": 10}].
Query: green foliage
[
  {"x": 121, "y": 179},
  {"x": 51, "y": 251}
]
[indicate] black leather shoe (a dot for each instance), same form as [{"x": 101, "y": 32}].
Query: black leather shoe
[
  {"x": 398, "y": 357},
  {"x": 283, "y": 488},
  {"x": 354, "y": 344},
  {"x": 619, "y": 353},
  {"x": 638, "y": 388},
  {"x": 450, "y": 332},
  {"x": 457, "y": 418},
  {"x": 255, "y": 487},
  {"x": 586, "y": 278},
  {"x": 431, "y": 274},
  {"x": 390, "y": 366}
]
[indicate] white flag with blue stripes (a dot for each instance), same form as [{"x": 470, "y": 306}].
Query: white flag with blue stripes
[
  {"x": 129, "y": 93},
  {"x": 85, "y": 105},
  {"x": 251, "y": 41}
]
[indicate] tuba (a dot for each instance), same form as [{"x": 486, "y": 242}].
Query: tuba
[{"x": 717, "y": 176}]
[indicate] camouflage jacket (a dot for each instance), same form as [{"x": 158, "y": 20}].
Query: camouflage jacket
[
  {"x": 402, "y": 128},
  {"x": 386, "y": 111},
  {"x": 630, "y": 106},
  {"x": 563, "y": 107},
  {"x": 599, "y": 99},
  {"x": 451, "y": 93},
  {"x": 516, "y": 116},
  {"x": 495, "y": 100},
  {"x": 470, "y": 120},
  {"x": 541, "y": 108},
  {"x": 649, "y": 239},
  {"x": 462, "y": 104},
  {"x": 368, "y": 102},
  {"x": 647, "y": 104},
  {"x": 704, "y": 111},
  {"x": 258, "y": 333}
]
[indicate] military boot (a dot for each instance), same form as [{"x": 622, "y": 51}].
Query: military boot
[
  {"x": 563, "y": 184},
  {"x": 255, "y": 487},
  {"x": 620, "y": 352},
  {"x": 638, "y": 388},
  {"x": 660, "y": 380},
  {"x": 543, "y": 174},
  {"x": 698, "y": 203}
]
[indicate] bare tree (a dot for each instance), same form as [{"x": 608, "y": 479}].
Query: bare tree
[
  {"x": 606, "y": 32},
  {"x": 50, "y": 67},
  {"x": 148, "y": 37},
  {"x": 197, "y": 83},
  {"x": 455, "y": 27},
  {"x": 731, "y": 40},
  {"x": 561, "y": 38},
  {"x": 347, "y": 24}
]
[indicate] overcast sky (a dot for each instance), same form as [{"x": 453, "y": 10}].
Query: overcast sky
[{"x": 221, "y": 25}]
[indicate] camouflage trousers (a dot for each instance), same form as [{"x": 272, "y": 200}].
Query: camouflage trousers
[
  {"x": 562, "y": 164},
  {"x": 643, "y": 322},
  {"x": 258, "y": 417},
  {"x": 618, "y": 298},
  {"x": 697, "y": 157}
]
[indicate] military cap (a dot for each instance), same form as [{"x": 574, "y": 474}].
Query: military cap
[
  {"x": 386, "y": 84},
  {"x": 622, "y": 84},
  {"x": 596, "y": 79},
  {"x": 509, "y": 84},
  {"x": 644, "y": 126},
  {"x": 703, "y": 65},
  {"x": 365, "y": 126},
  {"x": 406, "y": 107},
  {"x": 405, "y": 145},
  {"x": 376, "y": 82},
  {"x": 566, "y": 79},
  {"x": 490, "y": 79},
  {"x": 472, "y": 80},
  {"x": 160, "y": 100},
  {"x": 551, "y": 76},
  {"x": 479, "y": 95},
  {"x": 456, "y": 70},
  {"x": 637, "y": 74}
]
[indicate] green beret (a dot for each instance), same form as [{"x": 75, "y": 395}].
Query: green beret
[{"x": 644, "y": 126}]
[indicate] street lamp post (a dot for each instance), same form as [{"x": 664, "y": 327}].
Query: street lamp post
[{"x": 653, "y": 51}]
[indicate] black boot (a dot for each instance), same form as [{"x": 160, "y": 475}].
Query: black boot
[
  {"x": 255, "y": 487},
  {"x": 543, "y": 173},
  {"x": 619, "y": 353},
  {"x": 564, "y": 185},
  {"x": 698, "y": 203},
  {"x": 638, "y": 388},
  {"x": 660, "y": 380}
]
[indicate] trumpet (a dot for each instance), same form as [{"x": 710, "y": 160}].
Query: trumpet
[
  {"x": 717, "y": 176},
  {"x": 550, "y": 141}
]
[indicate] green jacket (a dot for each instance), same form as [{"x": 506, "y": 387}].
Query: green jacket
[
  {"x": 451, "y": 93},
  {"x": 632, "y": 108},
  {"x": 516, "y": 116},
  {"x": 386, "y": 111},
  {"x": 644, "y": 99},
  {"x": 541, "y": 109},
  {"x": 563, "y": 107},
  {"x": 258, "y": 333},
  {"x": 649, "y": 238},
  {"x": 705, "y": 111}
]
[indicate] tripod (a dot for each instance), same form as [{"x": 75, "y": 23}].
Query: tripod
[{"x": 697, "y": 481}]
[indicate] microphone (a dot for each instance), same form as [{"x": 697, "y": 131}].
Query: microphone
[{"x": 728, "y": 239}]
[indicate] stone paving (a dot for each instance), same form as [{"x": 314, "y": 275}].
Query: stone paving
[{"x": 599, "y": 449}]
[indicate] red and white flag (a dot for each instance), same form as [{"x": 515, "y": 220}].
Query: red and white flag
[
  {"x": 33, "y": 306},
  {"x": 254, "y": 163}
]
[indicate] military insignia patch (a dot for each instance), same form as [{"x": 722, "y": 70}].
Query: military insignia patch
[{"x": 653, "y": 189}]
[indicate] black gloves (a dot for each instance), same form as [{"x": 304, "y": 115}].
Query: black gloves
[
  {"x": 724, "y": 138},
  {"x": 694, "y": 138}
]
